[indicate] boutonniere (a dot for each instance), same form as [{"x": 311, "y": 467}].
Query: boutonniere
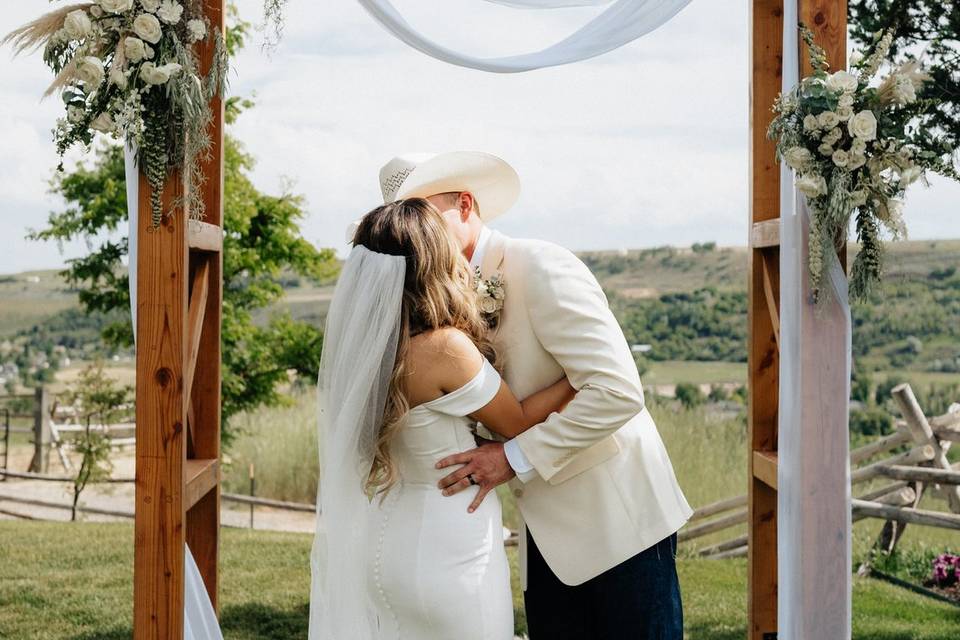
[{"x": 490, "y": 294}]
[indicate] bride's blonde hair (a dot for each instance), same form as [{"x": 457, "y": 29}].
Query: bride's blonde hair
[{"x": 437, "y": 292}]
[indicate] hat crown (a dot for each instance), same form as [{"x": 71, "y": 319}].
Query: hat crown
[{"x": 394, "y": 173}]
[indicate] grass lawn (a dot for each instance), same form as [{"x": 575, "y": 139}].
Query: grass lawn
[{"x": 74, "y": 582}]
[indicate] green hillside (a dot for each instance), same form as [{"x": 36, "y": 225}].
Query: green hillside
[{"x": 688, "y": 304}]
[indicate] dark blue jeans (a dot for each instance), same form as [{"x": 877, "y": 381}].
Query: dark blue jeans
[{"x": 636, "y": 600}]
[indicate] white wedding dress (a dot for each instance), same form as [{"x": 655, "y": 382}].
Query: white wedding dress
[{"x": 437, "y": 572}]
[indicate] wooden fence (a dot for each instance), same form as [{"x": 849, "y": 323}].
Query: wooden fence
[{"x": 915, "y": 461}]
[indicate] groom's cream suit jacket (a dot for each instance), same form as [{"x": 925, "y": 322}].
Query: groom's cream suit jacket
[{"x": 604, "y": 488}]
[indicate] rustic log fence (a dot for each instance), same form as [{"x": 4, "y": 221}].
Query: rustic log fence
[{"x": 924, "y": 465}]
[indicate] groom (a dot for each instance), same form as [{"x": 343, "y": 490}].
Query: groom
[{"x": 598, "y": 495}]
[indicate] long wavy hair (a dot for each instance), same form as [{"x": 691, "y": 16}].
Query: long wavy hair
[{"x": 437, "y": 292}]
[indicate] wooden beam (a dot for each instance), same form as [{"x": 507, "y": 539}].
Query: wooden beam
[
  {"x": 198, "y": 308},
  {"x": 771, "y": 289},
  {"x": 160, "y": 417},
  {"x": 200, "y": 476},
  {"x": 911, "y": 516},
  {"x": 205, "y": 236},
  {"x": 203, "y": 532},
  {"x": 763, "y": 357},
  {"x": 727, "y": 521},
  {"x": 921, "y": 474},
  {"x": 765, "y": 467},
  {"x": 765, "y": 234}
]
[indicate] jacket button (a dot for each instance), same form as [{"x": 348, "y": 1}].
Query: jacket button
[{"x": 518, "y": 493}]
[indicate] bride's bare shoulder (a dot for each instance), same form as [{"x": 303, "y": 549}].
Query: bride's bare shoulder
[{"x": 439, "y": 361}]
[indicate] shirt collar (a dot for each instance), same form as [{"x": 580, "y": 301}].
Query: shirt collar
[{"x": 478, "y": 251}]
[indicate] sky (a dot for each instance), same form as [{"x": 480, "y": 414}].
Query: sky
[{"x": 640, "y": 147}]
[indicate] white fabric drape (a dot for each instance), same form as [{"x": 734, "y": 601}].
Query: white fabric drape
[
  {"x": 813, "y": 507},
  {"x": 199, "y": 618},
  {"x": 622, "y": 22}
]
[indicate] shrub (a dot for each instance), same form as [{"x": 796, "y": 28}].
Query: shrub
[{"x": 689, "y": 395}]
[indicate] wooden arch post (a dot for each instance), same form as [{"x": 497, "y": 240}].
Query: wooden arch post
[
  {"x": 828, "y": 21},
  {"x": 179, "y": 288}
]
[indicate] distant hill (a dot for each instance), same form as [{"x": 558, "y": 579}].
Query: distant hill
[{"x": 686, "y": 303}]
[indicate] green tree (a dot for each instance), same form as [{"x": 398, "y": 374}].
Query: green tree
[
  {"x": 689, "y": 395},
  {"x": 262, "y": 244},
  {"x": 934, "y": 27}
]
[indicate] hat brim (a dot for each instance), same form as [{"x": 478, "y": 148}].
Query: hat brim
[{"x": 494, "y": 184}]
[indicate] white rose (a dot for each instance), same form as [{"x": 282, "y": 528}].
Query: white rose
[
  {"x": 152, "y": 74},
  {"x": 74, "y": 114},
  {"x": 77, "y": 25},
  {"x": 797, "y": 157},
  {"x": 170, "y": 11},
  {"x": 96, "y": 11},
  {"x": 134, "y": 49},
  {"x": 90, "y": 72},
  {"x": 148, "y": 27},
  {"x": 197, "y": 29},
  {"x": 856, "y": 58},
  {"x": 488, "y": 305},
  {"x": 810, "y": 122},
  {"x": 833, "y": 135},
  {"x": 842, "y": 81},
  {"x": 844, "y": 113},
  {"x": 846, "y": 100},
  {"x": 826, "y": 149},
  {"x": 858, "y": 198},
  {"x": 116, "y": 6},
  {"x": 150, "y": 5},
  {"x": 858, "y": 146},
  {"x": 840, "y": 158},
  {"x": 104, "y": 123},
  {"x": 856, "y": 161},
  {"x": 812, "y": 185},
  {"x": 828, "y": 120},
  {"x": 863, "y": 125}
]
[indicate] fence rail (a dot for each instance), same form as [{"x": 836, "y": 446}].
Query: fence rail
[{"x": 923, "y": 465}]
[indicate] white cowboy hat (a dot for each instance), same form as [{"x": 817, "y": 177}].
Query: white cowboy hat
[{"x": 494, "y": 183}]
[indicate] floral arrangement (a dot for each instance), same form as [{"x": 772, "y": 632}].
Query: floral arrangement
[
  {"x": 490, "y": 294},
  {"x": 946, "y": 570},
  {"x": 850, "y": 139},
  {"x": 129, "y": 69}
]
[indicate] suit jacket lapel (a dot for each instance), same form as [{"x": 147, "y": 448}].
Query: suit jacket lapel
[{"x": 493, "y": 258}]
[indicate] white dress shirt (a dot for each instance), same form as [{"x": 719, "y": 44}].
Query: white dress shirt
[{"x": 515, "y": 456}]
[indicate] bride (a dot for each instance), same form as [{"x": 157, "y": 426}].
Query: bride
[{"x": 406, "y": 373}]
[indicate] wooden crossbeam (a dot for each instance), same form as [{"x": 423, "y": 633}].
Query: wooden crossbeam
[
  {"x": 205, "y": 236},
  {"x": 771, "y": 289},
  {"x": 765, "y": 234},
  {"x": 198, "y": 308},
  {"x": 201, "y": 476},
  {"x": 765, "y": 467}
]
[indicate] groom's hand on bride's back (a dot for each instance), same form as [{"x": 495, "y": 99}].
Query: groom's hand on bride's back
[{"x": 487, "y": 465}]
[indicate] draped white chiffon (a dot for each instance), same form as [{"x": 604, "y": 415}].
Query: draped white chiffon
[
  {"x": 813, "y": 506},
  {"x": 622, "y": 22}
]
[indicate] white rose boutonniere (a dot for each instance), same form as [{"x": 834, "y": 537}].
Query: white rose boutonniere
[
  {"x": 148, "y": 28},
  {"x": 490, "y": 295}
]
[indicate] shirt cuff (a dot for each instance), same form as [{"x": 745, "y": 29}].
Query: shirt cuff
[{"x": 518, "y": 461}]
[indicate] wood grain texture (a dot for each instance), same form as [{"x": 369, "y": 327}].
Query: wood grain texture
[
  {"x": 204, "y": 517},
  {"x": 763, "y": 358},
  {"x": 161, "y": 416},
  {"x": 765, "y": 467}
]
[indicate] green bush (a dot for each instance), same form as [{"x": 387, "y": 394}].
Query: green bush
[
  {"x": 689, "y": 395},
  {"x": 870, "y": 422}
]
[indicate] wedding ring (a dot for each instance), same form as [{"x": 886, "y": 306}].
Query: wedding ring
[{"x": 472, "y": 479}]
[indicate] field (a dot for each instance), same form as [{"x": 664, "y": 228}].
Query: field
[{"x": 86, "y": 594}]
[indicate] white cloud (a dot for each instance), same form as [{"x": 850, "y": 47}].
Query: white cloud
[{"x": 645, "y": 145}]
